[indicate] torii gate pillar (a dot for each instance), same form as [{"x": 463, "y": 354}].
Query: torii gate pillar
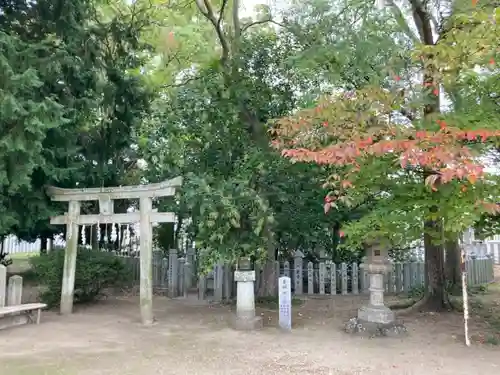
[{"x": 146, "y": 261}]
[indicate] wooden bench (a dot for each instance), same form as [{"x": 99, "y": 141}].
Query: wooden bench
[{"x": 28, "y": 309}]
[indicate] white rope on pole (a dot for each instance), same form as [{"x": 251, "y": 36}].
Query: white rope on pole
[{"x": 465, "y": 297}]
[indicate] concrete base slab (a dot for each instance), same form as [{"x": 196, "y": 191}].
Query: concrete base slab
[
  {"x": 356, "y": 326},
  {"x": 246, "y": 324}
]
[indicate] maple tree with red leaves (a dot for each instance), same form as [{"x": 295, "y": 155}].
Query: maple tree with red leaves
[{"x": 426, "y": 168}]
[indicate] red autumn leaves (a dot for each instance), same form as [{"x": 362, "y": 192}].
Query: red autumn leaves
[{"x": 444, "y": 153}]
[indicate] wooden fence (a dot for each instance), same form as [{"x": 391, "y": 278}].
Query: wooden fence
[
  {"x": 178, "y": 277},
  {"x": 12, "y": 245}
]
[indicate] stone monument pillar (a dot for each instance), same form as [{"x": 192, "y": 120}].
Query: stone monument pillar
[
  {"x": 376, "y": 319},
  {"x": 245, "y": 318}
]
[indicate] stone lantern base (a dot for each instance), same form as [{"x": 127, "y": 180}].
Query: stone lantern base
[
  {"x": 365, "y": 328},
  {"x": 375, "y": 319},
  {"x": 376, "y": 314}
]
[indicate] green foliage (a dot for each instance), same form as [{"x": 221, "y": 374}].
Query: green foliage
[
  {"x": 70, "y": 102},
  {"x": 242, "y": 197},
  {"x": 345, "y": 44},
  {"x": 95, "y": 271}
]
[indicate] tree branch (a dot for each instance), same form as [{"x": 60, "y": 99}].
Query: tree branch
[
  {"x": 236, "y": 20},
  {"x": 183, "y": 83},
  {"x": 205, "y": 7},
  {"x": 260, "y": 22},
  {"x": 423, "y": 22},
  {"x": 401, "y": 20},
  {"x": 221, "y": 13}
]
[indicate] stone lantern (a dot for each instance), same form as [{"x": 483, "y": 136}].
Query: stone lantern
[
  {"x": 376, "y": 319},
  {"x": 376, "y": 264}
]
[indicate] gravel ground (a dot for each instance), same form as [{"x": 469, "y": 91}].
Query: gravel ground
[{"x": 107, "y": 339}]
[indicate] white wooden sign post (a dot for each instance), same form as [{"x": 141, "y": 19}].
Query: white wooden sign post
[
  {"x": 285, "y": 302},
  {"x": 106, "y": 197}
]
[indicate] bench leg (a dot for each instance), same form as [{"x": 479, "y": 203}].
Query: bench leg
[
  {"x": 38, "y": 316},
  {"x": 29, "y": 315}
]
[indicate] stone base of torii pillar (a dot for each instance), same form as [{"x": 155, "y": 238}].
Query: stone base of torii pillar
[{"x": 375, "y": 319}]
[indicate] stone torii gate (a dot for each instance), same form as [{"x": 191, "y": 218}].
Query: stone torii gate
[{"x": 106, "y": 197}]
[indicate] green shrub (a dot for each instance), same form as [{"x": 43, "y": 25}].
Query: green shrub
[{"x": 95, "y": 271}]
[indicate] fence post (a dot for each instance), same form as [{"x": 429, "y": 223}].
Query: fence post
[
  {"x": 355, "y": 279},
  {"x": 202, "y": 287},
  {"x": 218, "y": 282},
  {"x": 398, "y": 278},
  {"x": 421, "y": 272},
  {"x": 363, "y": 285},
  {"x": 299, "y": 272},
  {"x": 406, "y": 277},
  {"x": 226, "y": 282},
  {"x": 483, "y": 270},
  {"x": 180, "y": 282},
  {"x": 173, "y": 276},
  {"x": 310, "y": 278},
  {"x": 343, "y": 278},
  {"x": 277, "y": 276},
  {"x": 479, "y": 267},
  {"x": 496, "y": 253},
  {"x": 156, "y": 274},
  {"x": 491, "y": 265},
  {"x": 286, "y": 268},
  {"x": 321, "y": 277},
  {"x": 333, "y": 279},
  {"x": 187, "y": 279},
  {"x": 164, "y": 273},
  {"x": 190, "y": 259},
  {"x": 414, "y": 275},
  {"x": 473, "y": 271},
  {"x": 3, "y": 284}
]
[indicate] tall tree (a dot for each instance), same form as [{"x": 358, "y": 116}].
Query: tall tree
[
  {"x": 75, "y": 98},
  {"x": 425, "y": 165}
]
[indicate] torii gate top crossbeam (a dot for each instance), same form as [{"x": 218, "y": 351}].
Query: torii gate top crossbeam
[{"x": 161, "y": 189}]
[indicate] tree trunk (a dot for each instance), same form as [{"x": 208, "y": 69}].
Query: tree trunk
[
  {"x": 44, "y": 241},
  {"x": 268, "y": 286},
  {"x": 452, "y": 266},
  {"x": 434, "y": 269},
  {"x": 435, "y": 298}
]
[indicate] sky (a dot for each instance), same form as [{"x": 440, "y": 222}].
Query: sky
[{"x": 248, "y": 6}]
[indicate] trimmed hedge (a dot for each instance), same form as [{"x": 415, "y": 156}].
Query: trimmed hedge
[{"x": 95, "y": 271}]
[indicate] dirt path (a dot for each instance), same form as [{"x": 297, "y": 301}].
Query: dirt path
[{"x": 108, "y": 340}]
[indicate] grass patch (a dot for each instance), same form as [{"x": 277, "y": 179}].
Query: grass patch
[{"x": 22, "y": 256}]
